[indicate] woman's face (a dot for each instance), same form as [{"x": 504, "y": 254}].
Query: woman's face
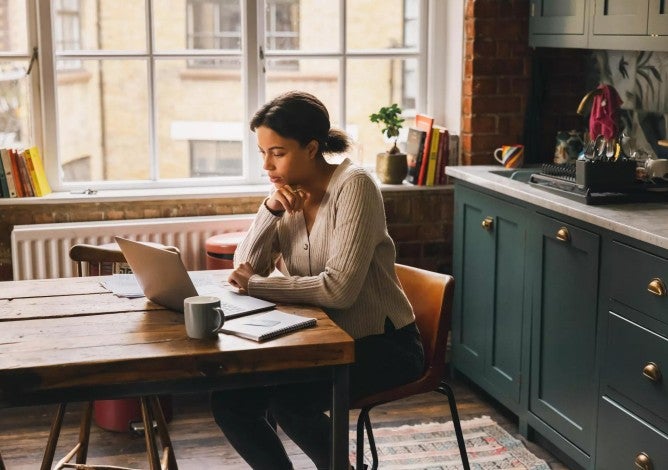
[{"x": 285, "y": 160}]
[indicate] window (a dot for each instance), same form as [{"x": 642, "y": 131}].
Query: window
[
  {"x": 67, "y": 30},
  {"x": 158, "y": 94},
  {"x": 15, "y": 85},
  {"x": 213, "y": 24}
]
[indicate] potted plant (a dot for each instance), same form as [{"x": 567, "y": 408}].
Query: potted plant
[{"x": 391, "y": 166}]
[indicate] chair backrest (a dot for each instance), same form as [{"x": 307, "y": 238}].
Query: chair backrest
[
  {"x": 430, "y": 295},
  {"x": 95, "y": 256}
]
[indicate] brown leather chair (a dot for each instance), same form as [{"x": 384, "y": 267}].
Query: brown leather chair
[
  {"x": 93, "y": 259},
  {"x": 431, "y": 295}
]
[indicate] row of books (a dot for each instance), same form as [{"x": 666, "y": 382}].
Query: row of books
[
  {"x": 429, "y": 149},
  {"x": 22, "y": 173}
]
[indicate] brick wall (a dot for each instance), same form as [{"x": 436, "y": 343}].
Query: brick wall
[
  {"x": 500, "y": 71},
  {"x": 419, "y": 220}
]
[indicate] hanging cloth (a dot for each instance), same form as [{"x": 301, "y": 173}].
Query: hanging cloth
[{"x": 605, "y": 113}]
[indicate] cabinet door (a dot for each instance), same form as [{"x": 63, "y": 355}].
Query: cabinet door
[
  {"x": 563, "y": 386},
  {"x": 558, "y": 23},
  {"x": 658, "y": 17},
  {"x": 619, "y": 17},
  {"x": 557, "y": 16},
  {"x": 489, "y": 271}
]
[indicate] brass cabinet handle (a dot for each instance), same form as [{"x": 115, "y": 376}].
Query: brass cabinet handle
[
  {"x": 657, "y": 287},
  {"x": 563, "y": 235},
  {"x": 652, "y": 372},
  {"x": 643, "y": 462},
  {"x": 488, "y": 223}
]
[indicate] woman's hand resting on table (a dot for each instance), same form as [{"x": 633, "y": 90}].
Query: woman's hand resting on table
[
  {"x": 239, "y": 277},
  {"x": 287, "y": 198}
]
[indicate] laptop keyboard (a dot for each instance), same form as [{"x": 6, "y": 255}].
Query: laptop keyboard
[{"x": 230, "y": 308}]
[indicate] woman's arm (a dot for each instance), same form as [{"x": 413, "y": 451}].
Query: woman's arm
[{"x": 260, "y": 246}]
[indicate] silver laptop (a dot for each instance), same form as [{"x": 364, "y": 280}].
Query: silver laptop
[{"x": 165, "y": 281}]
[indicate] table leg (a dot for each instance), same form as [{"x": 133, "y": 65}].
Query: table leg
[
  {"x": 340, "y": 410},
  {"x": 2, "y": 464}
]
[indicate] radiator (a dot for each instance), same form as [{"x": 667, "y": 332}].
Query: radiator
[{"x": 40, "y": 251}]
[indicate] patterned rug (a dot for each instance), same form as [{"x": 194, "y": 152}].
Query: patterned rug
[{"x": 433, "y": 446}]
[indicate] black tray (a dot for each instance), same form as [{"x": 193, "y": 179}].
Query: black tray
[{"x": 639, "y": 192}]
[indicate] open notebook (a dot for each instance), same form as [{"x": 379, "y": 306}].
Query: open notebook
[{"x": 266, "y": 325}]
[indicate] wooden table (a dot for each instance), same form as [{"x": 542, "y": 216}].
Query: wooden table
[{"x": 71, "y": 340}]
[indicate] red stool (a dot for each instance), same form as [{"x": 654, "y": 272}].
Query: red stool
[
  {"x": 220, "y": 249},
  {"x": 124, "y": 414}
]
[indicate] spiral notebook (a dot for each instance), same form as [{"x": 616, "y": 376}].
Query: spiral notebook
[{"x": 266, "y": 325}]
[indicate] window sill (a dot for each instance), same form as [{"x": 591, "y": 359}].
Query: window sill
[{"x": 165, "y": 194}]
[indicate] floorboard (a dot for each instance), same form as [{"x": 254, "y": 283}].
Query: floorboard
[{"x": 198, "y": 442}]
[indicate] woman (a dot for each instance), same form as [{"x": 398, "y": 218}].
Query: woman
[{"x": 323, "y": 226}]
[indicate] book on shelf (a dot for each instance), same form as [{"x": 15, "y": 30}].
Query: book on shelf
[
  {"x": 16, "y": 173},
  {"x": 24, "y": 175},
  {"x": 36, "y": 169},
  {"x": 415, "y": 142},
  {"x": 9, "y": 172},
  {"x": 4, "y": 188},
  {"x": 430, "y": 179},
  {"x": 266, "y": 325},
  {"x": 424, "y": 122},
  {"x": 443, "y": 156}
]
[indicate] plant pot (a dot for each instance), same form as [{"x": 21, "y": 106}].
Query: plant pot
[{"x": 391, "y": 168}]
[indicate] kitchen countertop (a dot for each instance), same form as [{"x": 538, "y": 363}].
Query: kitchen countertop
[{"x": 647, "y": 222}]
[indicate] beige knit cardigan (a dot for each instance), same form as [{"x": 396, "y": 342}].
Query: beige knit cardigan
[{"x": 345, "y": 265}]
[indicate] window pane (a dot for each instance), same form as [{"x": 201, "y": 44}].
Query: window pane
[
  {"x": 15, "y": 89},
  {"x": 390, "y": 86},
  {"x": 317, "y": 76},
  {"x": 15, "y": 105},
  {"x": 99, "y": 25},
  {"x": 13, "y": 26},
  {"x": 380, "y": 24},
  {"x": 306, "y": 25},
  {"x": 197, "y": 25},
  {"x": 199, "y": 120},
  {"x": 103, "y": 119}
]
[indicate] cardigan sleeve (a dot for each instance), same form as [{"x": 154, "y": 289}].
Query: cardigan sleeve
[
  {"x": 260, "y": 247},
  {"x": 359, "y": 228}
]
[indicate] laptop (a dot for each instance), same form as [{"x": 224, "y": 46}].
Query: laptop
[{"x": 164, "y": 280}]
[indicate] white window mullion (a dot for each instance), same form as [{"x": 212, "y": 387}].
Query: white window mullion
[
  {"x": 343, "y": 64},
  {"x": 252, "y": 21},
  {"x": 44, "y": 89},
  {"x": 154, "y": 167}
]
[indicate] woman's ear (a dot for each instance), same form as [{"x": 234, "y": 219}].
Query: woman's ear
[{"x": 312, "y": 148}]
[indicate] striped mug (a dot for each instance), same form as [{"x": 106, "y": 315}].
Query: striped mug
[{"x": 510, "y": 156}]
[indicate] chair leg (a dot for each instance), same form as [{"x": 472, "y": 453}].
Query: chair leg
[
  {"x": 54, "y": 434},
  {"x": 360, "y": 438},
  {"x": 372, "y": 441},
  {"x": 84, "y": 433},
  {"x": 2, "y": 464},
  {"x": 445, "y": 389},
  {"x": 163, "y": 433},
  {"x": 149, "y": 436}
]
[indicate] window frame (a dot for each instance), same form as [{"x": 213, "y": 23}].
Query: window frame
[{"x": 44, "y": 104}]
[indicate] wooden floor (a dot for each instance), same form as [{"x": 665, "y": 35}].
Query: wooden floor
[{"x": 198, "y": 442}]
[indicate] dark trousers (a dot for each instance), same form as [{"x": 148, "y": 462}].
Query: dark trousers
[{"x": 381, "y": 362}]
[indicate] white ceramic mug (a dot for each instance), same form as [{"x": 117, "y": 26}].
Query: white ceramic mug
[
  {"x": 657, "y": 168},
  {"x": 203, "y": 316}
]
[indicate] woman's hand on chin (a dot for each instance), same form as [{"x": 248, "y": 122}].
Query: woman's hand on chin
[{"x": 287, "y": 198}]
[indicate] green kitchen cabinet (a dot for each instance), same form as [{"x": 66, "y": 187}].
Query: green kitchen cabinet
[
  {"x": 563, "y": 385},
  {"x": 489, "y": 263}
]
